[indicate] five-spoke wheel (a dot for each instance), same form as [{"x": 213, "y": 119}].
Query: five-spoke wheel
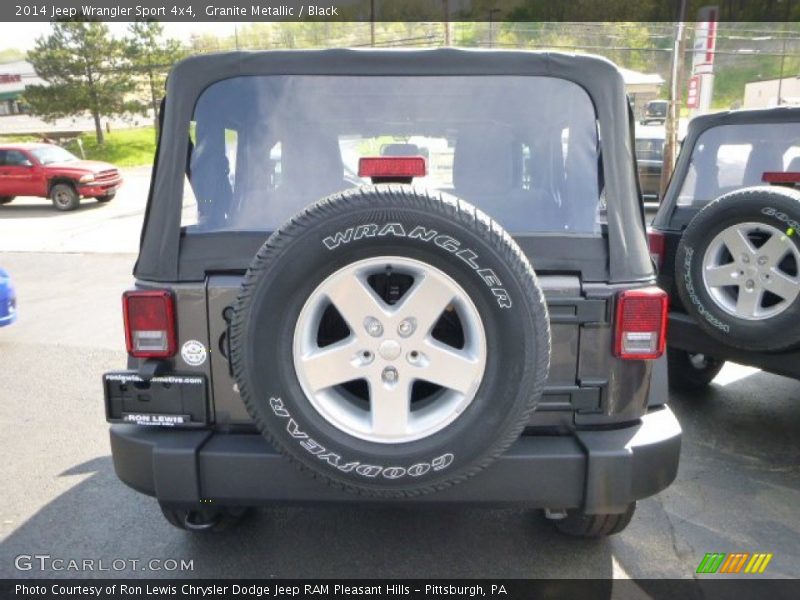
[
  {"x": 751, "y": 270},
  {"x": 390, "y": 348}
]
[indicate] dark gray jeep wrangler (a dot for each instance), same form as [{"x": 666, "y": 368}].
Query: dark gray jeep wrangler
[{"x": 416, "y": 276}]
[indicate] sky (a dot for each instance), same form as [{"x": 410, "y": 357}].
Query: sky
[{"x": 22, "y": 36}]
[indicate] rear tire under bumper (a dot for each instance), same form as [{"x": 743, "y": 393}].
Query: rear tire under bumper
[
  {"x": 595, "y": 471},
  {"x": 686, "y": 334}
]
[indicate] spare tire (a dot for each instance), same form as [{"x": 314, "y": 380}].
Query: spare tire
[
  {"x": 389, "y": 341},
  {"x": 738, "y": 268}
]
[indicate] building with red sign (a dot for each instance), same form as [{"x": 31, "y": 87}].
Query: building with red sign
[{"x": 14, "y": 77}]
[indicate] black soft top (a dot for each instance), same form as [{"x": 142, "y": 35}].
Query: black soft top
[
  {"x": 159, "y": 257},
  {"x": 778, "y": 114},
  {"x": 698, "y": 125}
]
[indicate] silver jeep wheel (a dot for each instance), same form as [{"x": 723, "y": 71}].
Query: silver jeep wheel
[
  {"x": 750, "y": 281},
  {"x": 390, "y": 347}
]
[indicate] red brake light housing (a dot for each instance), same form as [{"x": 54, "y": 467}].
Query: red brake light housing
[
  {"x": 149, "y": 317},
  {"x": 641, "y": 323},
  {"x": 656, "y": 240},
  {"x": 391, "y": 168},
  {"x": 780, "y": 178}
]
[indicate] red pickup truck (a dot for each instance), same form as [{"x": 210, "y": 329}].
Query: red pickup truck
[{"x": 49, "y": 171}]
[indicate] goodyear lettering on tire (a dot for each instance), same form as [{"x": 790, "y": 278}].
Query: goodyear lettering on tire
[
  {"x": 690, "y": 290},
  {"x": 335, "y": 460}
]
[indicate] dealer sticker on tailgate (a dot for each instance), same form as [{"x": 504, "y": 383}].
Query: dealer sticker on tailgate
[
  {"x": 170, "y": 400},
  {"x": 151, "y": 419}
]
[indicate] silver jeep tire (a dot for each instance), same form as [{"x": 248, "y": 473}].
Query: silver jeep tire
[
  {"x": 737, "y": 268},
  {"x": 389, "y": 341}
]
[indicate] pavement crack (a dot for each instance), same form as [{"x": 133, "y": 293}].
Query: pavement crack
[{"x": 673, "y": 534}]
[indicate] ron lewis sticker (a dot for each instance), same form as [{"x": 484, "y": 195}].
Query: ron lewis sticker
[
  {"x": 154, "y": 419},
  {"x": 194, "y": 353}
]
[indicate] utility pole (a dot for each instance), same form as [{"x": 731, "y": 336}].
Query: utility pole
[
  {"x": 446, "y": 22},
  {"x": 492, "y": 12},
  {"x": 675, "y": 90},
  {"x": 372, "y": 22},
  {"x": 783, "y": 52},
  {"x": 783, "y": 60}
]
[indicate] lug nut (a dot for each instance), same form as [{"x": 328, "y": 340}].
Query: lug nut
[
  {"x": 389, "y": 375},
  {"x": 750, "y": 284},
  {"x": 762, "y": 260},
  {"x": 407, "y": 327},
  {"x": 373, "y": 327},
  {"x": 745, "y": 259}
]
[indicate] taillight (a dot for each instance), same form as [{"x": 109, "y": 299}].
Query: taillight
[
  {"x": 149, "y": 317},
  {"x": 384, "y": 167},
  {"x": 641, "y": 323},
  {"x": 655, "y": 240}
]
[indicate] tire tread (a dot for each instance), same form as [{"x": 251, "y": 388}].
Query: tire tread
[{"x": 579, "y": 524}]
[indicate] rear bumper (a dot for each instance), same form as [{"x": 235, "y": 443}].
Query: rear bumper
[
  {"x": 684, "y": 333},
  {"x": 598, "y": 471}
]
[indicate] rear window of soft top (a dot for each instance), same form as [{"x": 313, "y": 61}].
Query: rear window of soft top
[
  {"x": 729, "y": 157},
  {"x": 522, "y": 148}
]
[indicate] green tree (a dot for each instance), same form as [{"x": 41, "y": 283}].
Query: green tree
[
  {"x": 151, "y": 57},
  {"x": 10, "y": 55},
  {"x": 85, "y": 70}
]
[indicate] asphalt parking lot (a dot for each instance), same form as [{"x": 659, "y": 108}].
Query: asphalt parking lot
[{"x": 738, "y": 488}]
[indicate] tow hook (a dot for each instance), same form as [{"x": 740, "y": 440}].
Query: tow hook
[{"x": 151, "y": 367}]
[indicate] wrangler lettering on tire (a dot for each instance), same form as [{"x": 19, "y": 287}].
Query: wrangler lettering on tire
[
  {"x": 445, "y": 242},
  {"x": 416, "y": 340}
]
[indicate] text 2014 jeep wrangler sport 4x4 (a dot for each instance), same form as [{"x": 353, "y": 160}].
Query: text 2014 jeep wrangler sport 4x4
[{"x": 416, "y": 276}]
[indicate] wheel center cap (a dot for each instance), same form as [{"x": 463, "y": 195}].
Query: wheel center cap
[{"x": 389, "y": 349}]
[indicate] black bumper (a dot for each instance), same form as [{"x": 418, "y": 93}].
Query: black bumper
[
  {"x": 686, "y": 334},
  {"x": 598, "y": 471}
]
